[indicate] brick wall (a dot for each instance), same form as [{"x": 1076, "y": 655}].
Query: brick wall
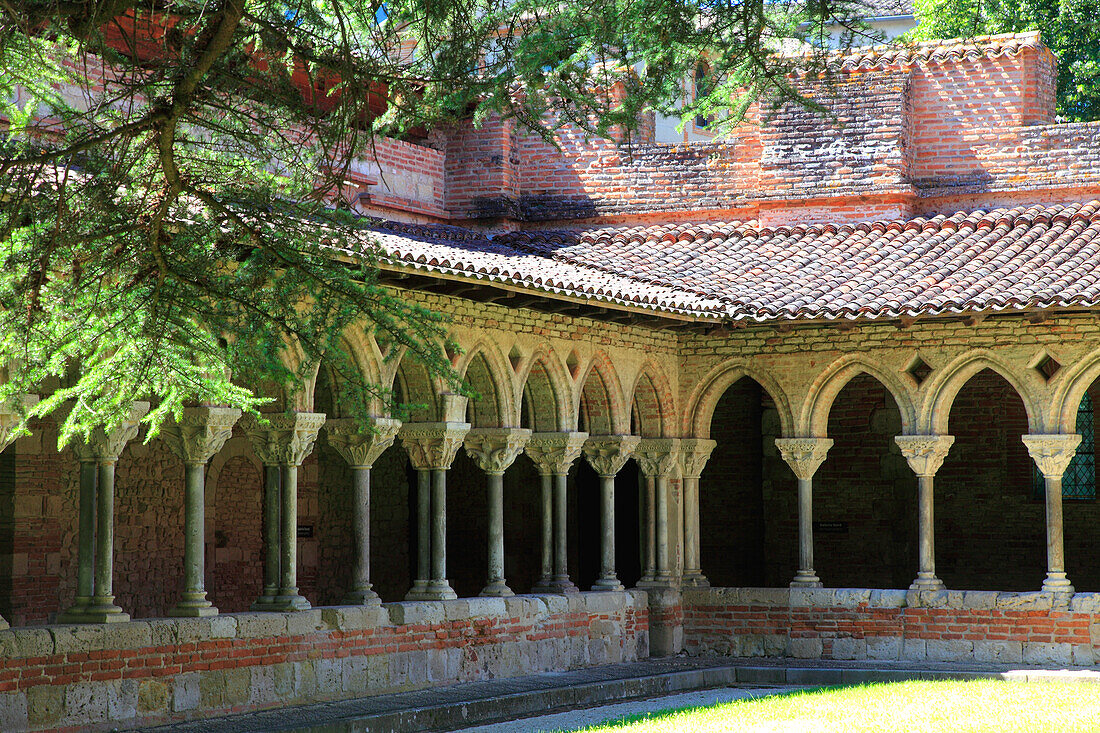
[
  {"x": 143, "y": 672},
  {"x": 235, "y": 531}
]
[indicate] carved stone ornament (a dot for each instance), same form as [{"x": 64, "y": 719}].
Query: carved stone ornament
[
  {"x": 657, "y": 456},
  {"x": 694, "y": 454},
  {"x": 925, "y": 453},
  {"x": 200, "y": 432},
  {"x": 1052, "y": 453},
  {"x": 804, "y": 455},
  {"x": 107, "y": 447},
  {"x": 607, "y": 454},
  {"x": 361, "y": 448},
  {"x": 554, "y": 453},
  {"x": 11, "y": 416},
  {"x": 287, "y": 439},
  {"x": 495, "y": 449},
  {"x": 432, "y": 445}
]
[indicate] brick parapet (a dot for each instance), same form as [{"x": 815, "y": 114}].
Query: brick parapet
[{"x": 140, "y": 672}]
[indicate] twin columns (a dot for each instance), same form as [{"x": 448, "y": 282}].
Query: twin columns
[{"x": 925, "y": 454}]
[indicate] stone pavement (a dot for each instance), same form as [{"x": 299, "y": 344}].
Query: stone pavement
[{"x": 470, "y": 704}]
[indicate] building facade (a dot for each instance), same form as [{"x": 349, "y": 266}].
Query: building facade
[{"x": 824, "y": 389}]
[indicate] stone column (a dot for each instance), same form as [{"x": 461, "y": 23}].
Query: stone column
[
  {"x": 553, "y": 454},
  {"x": 494, "y": 450},
  {"x": 804, "y": 456},
  {"x": 432, "y": 448},
  {"x": 95, "y": 602},
  {"x": 195, "y": 438},
  {"x": 360, "y": 447},
  {"x": 1052, "y": 454},
  {"x": 285, "y": 441},
  {"x": 607, "y": 454},
  {"x": 694, "y": 454},
  {"x": 925, "y": 454},
  {"x": 657, "y": 458}
]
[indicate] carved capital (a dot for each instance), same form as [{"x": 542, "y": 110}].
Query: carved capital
[
  {"x": 11, "y": 417},
  {"x": 1052, "y": 453},
  {"x": 200, "y": 432},
  {"x": 494, "y": 449},
  {"x": 107, "y": 446},
  {"x": 657, "y": 456},
  {"x": 694, "y": 454},
  {"x": 554, "y": 453},
  {"x": 804, "y": 455},
  {"x": 432, "y": 445},
  {"x": 925, "y": 453},
  {"x": 608, "y": 453},
  {"x": 286, "y": 439},
  {"x": 360, "y": 445}
]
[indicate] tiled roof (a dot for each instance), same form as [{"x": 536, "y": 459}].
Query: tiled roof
[
  {"x": 937, "y": 51},
  {"x": 1020, "y": 258}
]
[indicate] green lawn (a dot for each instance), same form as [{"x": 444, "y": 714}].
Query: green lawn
[{"x": 985, "y": 705}]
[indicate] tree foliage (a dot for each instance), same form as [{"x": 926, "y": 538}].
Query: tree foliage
[
  {"x": 1071, "y": 28},
  {"x": 170, "y": 170}
]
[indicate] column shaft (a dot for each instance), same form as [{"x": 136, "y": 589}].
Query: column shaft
[
  {"x": 194, "y": 601},
  {"x": 926, "y": 572},
  {"x": 547, "y": 554},
  {"x": 650, "y": 529},
  {"x": 103, "y": 606},
  {"x": 272, "y": 531},
  {"x": 85, "y": 545},
  {"x": 438, "y": 586},
  {"x": 361, "y": 593},
  {"x": 664, "y": 571},
  {"x": 289, "y": 598},
  {"x": 608, "y": 579},
  {"x": 805, "y": 575},
  {"x": 1056, "y": 579},
  {"x": 692, "y": 573},
  {"x": 496, "y": 585},
  {"x": 423, "y": 535}
]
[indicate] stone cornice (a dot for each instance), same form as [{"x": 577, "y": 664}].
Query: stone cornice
[
  {"x": 925, "y": 453},
  {"x": 432, "y": 445},
  {"x": 694, "y": 454},
  {"x": 495, "y": 449},
  {"x": 287, "y": 438},
  {"x": 554, "y": 453},
  {"x": 360, "y": 445},
  {"x": 657, "y": 456},
  {"x": 200, "y": 432},
  {"x": 107, "y": 447},
  {"x": 1052, "y": 453},
  {"x": 11, "y": 415},
  {"x": 608, "y": 453},
  {"x": 804, "y": 455}
]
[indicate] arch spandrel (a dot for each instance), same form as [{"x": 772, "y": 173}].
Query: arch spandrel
[
  {"x": 942, "y": 388},
  {"x": 605, "y": 404},
  {"x": 814, "y": 415},
  {"x": 492, "y": 380},
  {"x": 367, "y": 360},
  {"x": 416, "y": 385},
  {"x": 705, "y": 397},
  {"x": 1069, "y": 387},
  {"x": 544, "y": 377}
]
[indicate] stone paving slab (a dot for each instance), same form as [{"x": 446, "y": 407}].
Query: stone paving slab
[{"x": 468, "y": 704}]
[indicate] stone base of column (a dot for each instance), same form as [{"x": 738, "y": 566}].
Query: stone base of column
[
  {"x": 927, "y": 581},
  {"x": 264, "y": 603},
  {"x": 76, "y": 613},
  {"x": 419, "y": 591},
  {"x": 694, "y": 579},
  {"x": 1057, "y": 583},
  {"x": 439, "y": 590},
  {"x": 184, "y": 610},
  {"x": 806, "y": 579},
  {"x": 291, "y": 602},
  {"x": 104, "y": 612},
  {"x": 498, "y": 589},
  {"x": 362, "y": 597},
  {"x": 610, "y": 583}
]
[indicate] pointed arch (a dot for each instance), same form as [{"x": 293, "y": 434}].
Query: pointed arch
[
  {"x": 1072, "y": 385},
  {"x": 714, "y": 385},
  {"x": 653, "y": 402},
  {"x": 814, "y": 418},
  {"x": 484, "y": 370},
  {"x": 543, "y": 393},
  {"x": 600, "y": 398},
  {"x": 367, "y": 361},
  {"x": 414, "y": 386},
  {"x": 940, "y": 395}
]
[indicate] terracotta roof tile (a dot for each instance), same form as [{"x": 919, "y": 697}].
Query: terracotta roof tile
[{"x": 1023, "y": 257}]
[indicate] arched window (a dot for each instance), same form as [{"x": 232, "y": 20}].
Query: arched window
[{"x": 1079, "y": 480}]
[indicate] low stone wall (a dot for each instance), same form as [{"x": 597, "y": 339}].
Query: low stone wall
[
  {"x": 945, "y": 626},
  {"x": 142, "y": 672}
]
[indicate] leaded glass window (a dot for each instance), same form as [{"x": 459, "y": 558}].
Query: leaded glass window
[{"x": 1079, "y": 480}]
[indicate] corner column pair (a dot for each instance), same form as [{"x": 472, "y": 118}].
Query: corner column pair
[
  {"x": 432, "y": 448},
  {"x": 282, "y": 444},
  {"x": 554, "y": 454},
  {"x": 658, "y": 460}
]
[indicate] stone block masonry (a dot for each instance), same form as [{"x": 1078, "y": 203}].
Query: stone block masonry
[{"x": 139, "y": 673}]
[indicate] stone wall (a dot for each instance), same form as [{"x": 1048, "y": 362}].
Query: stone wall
[
  {"x": 142, "y": 672},
  {"x": 892, "y": 625}
]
